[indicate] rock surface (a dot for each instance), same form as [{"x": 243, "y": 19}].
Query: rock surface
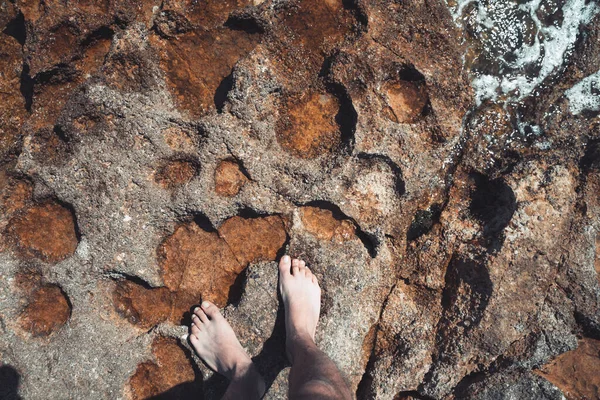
[{"x": 442, "y": 188}]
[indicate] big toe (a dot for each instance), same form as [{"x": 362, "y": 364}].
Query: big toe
[
  {"x": 211, "y": 310},
  {"x": 284, "y": 265}
]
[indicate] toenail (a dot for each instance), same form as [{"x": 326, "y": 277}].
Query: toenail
[
  {"x": 205, "y": 304},
  {"x": 196, "y": 309},
  {"x": 286, "y": 258}
]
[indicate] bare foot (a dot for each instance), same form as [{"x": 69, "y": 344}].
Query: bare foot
[
  {"x": 302, "y": 299},
  {"x": 216, "y": 343}
]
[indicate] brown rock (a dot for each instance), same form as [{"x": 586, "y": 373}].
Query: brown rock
[
  {"x": 13, "y": 111},
  {"x": 229, "y": 179},
  {"x": 322, "y": 224},
  {"x": 48, "y": 310},
  {"x": 406, "y": 99},
  {"x": 196, "y": 263},
  {"x": 307, "y": 127},
  {"x": 575, "y": 372},
  {"x": 254, "y": 239},
  {"x": 45, "y": 231},
  {"x": 179, "y": 140},
  {"x": 196, "y": 63},
  {"x": 175, "y": 173},
  {"x": 141, "y": 306},
  {"x": 170, "y": 371},
  {"x": 199, "y": 264}
]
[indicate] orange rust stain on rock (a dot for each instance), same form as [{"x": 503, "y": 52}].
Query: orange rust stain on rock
[
  {"x": 206, "y": 14},
  {"x": 171, "y": 368},
  {"x": 406, "y": 99},
  {"x": 47, "y": 311},
  {"x": 179, "y": 140},
  {"x": 196, "y": 63},
  {"x": 141, "y": 306},
  {"x": 575, "y": 372},
  {"x": 254, "y": 239},
  {"x": 196, "y": 263},
  {"x": 324, "y": 226},
  {"x": 12, "y": 112},
  {"x": 175, "y": 173},
  {"x": 229, "y": 178},
  {"x": 307, "y": 125},
  {"x": 318, "y": 23},
  {"x": 14, "y": 196},
  {"x": 45, "y": 231}
]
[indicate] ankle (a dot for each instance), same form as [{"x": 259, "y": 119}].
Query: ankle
[
  {"x": 298, "y": 344},
  {"x": 247, "y": 380},
  {"x": 241, "y": 369}
]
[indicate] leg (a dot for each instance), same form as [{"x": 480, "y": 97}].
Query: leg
[
  {"x": 215, "y": 342},
  {"x": 313, "y": 374}
]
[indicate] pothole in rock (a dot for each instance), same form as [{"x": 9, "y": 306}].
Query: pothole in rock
[
  {"x": 174, "y": 173},
  {"x": 229, "y": 178},
  {"x": 322, "y": 224},
  {"x": 326, "y": 222},
  {"x": 196, "y": 62},
  {"x": 171, "y": 375},
  {"x": 315, "y": 122},
  {"x": 423, "y": 221},
  {"x": 48, "y": 310},
  {"x": 45, "y": 231},
  {"x": 493, "y": 204},
  {"x": 406, "y": 95}
]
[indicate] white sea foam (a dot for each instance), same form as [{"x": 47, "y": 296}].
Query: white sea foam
[
  {"x": 585, "y": 95},
  {"x": 502, "y": 27}
]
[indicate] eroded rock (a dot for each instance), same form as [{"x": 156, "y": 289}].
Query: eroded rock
[
  {"x": 229, "y": 178},
  {"x": 45, "y": 231},
  {"x": 47, "y": 311},
  {"x": 170, "y": 373}
]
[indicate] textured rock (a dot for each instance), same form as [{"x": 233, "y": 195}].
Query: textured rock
[
  {"x": 576, "y": 372},
  {"x": 442, "y": 187},
  {"x": 169, "y": 374},
  {"x": 45, "y": 231},
  {"x": 229, "y": 178},
  {"x": 47, "y": 311}
]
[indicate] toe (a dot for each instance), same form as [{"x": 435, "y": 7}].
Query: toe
[
  {"x": 295, "y": 268},
  {"x": 211, "y": 310},
  {"x": 194, "y": 339},
  {"x": 315, "y": 280},
  {"x": 195, "y": 330},
  {"x": 308, "y": 273},
  {"x": 200, "y": 314},
  {"x": 284, "y": 265}
]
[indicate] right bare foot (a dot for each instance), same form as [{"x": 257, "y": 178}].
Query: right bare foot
[{"x": 301, "y": 298}]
